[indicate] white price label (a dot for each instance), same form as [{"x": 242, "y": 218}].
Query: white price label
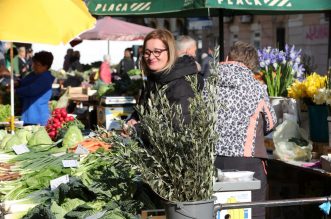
[
  {"x": 70, "y": 163},
  {"x": 21, "y": 149},
  {"x": 92, "y": 134},
  {"x": 81, "y": 150},
  {"x": 58, "y": 181}
]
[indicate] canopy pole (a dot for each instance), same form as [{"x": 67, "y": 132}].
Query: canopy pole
[
  {"x": 329, "y": 43},
  {"x": 12, "y": 114},
  {"x": 221, "y": 34},
  {"x": 108, "y": 47}
]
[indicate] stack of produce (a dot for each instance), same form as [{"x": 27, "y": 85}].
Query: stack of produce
[
  {"x": 58, "y": 118},
  {"x": 99, "y": 185}
]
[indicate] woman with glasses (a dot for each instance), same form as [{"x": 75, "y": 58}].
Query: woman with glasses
[{"x": 163, "y": 68}]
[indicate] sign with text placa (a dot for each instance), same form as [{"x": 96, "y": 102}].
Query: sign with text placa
[
  {"x": 21, "y": 149},
  {"x": 58, "y": 181}
]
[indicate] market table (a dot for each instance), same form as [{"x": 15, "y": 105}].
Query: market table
[{"x": 292, "y": 180}]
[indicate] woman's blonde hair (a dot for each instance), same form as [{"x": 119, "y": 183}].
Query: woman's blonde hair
[
  {"x": 245, "y": 53},
  {"x": 169, "y": 41}
]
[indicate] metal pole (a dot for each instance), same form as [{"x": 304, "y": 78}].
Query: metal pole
[
  {"x": 12, "y": 113},
  {"x": 221, "y": 34},
  {"x": 271, "y": 203}
]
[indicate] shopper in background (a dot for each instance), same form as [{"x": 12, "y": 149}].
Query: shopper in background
[
  {"x": 126, "y": 64},
  {"x": 163, "y": 67},
  {"x": 20, "y": 64},
  {"x": 29, "y": 55},
  {"x": 35, "y": 90},
  {"x": 205, "y": 65},
  {"x": 104, "y": 71},
  {"x": 244, "y": 113},
  {"x": 67, "y": 59},
  {"x": 186, "y": 45}
]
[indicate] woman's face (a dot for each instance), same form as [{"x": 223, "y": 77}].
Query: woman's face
[
  {"x": 155, "y": 55},
  {"x": 39, "y": 68}
]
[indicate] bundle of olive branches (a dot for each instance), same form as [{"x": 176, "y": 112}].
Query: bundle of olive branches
[{"x": 176, "y": 158}]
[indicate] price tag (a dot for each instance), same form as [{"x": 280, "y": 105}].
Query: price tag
[
  {"x": 70, "y": 163},
  {"x": 58, "y": 181},
  {"x": 59, "y": 154},
  {"x": 92, "y": 134},
  {"x": 81, "y": 150},
  {"x": 21, "y": 149}
]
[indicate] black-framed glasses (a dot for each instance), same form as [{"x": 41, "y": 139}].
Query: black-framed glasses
[{"x": 155, "y": 52}]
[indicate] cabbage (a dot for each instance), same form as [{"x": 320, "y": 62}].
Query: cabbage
[
  {"x": 105, "y": 89},
  {"x": 5, "y": 140},
  {"x": 14, "y": 140},
  {"x": 40, "y": 137},
  {"x": 3, "y": 133},
  {"x": 72, "y": 137},
  {"x": 24, "y": 135}
]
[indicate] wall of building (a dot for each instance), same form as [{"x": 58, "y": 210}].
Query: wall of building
[{"x": 309, "y": 32}]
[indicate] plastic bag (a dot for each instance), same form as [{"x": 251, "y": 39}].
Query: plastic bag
[{"x": 288, "y": 150}]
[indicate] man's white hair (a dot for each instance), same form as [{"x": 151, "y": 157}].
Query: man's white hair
[
  {"x": 184, "y": 42},
  {"x": 106, "y": 58}
]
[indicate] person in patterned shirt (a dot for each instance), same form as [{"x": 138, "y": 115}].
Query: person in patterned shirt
[{"x": 244, "y": 116}]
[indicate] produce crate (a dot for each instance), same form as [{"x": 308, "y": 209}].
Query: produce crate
[
  {"x": 111, "y": 117},
  {"x": 153, "y": 214}
]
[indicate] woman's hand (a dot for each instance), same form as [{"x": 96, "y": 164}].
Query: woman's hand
[{"x": 127, "y": 128}]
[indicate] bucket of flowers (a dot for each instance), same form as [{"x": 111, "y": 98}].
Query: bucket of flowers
[
  {"x": 278, "y": 70},
  {"x": 315, "y": 93}
]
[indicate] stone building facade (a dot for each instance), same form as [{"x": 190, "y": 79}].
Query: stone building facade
[{"x": 309, "y": 32}]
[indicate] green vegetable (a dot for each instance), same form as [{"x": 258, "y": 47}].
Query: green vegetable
[
  {"x": 133, "y": 72},
  {"x": 105, "y": 89},
  {"x": 63, "y": 101},
  {"x": 4, "y": 112},
  {"x": 23, "y": 134},
  {"x": 72, "y": 137},
  {"x": 5, "y": 140},
  {"x": 3, "y": 133},
  {"x": 14, "y": 140},
  {"x": 40, "y": 138},
  {"x": 299, "y": 141}
]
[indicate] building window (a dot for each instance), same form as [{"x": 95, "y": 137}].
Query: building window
[
  {"x": 280, "y": 38},
  {"x": 167, "y": 24},
  {"x": 256, "y": 39}
]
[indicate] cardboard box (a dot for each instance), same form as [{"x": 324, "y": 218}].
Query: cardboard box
[
  {"x": 111, "y": 118},
  {"x": 233, "y": 197}
]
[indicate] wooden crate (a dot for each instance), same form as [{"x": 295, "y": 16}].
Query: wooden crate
[{"x": 153, "y": 214}]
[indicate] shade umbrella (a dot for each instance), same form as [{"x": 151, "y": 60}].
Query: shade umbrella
[
  {"x": 40, "y": 21},
  {"x": 109, "y": 28}
]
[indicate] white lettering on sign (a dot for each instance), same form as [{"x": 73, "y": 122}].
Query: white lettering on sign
[
  {"x": 240, "y": 2},
  {"x": 58, "y": 181},
  {"x": 257, "y": 2},
  {"x": 144, "y": 6},
  {"x": 248, "y": 2},
  {"x": 271, "y": 3}
]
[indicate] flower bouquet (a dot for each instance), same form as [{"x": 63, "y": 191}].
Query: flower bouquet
[
  {"x": 312, "y": 90},
  {"x": 279, "y": 68},
  {"x": 316, "y": 95}
]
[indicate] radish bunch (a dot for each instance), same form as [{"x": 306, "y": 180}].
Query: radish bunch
[{"x": 58, "y": 118}]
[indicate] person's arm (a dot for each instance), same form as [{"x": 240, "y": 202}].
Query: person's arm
[
  {"x": 40, "y": 85},
  {"x": 269, "y": 114}
]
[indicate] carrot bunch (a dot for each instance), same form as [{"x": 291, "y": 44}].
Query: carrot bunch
[{"x": 92, "y": 145}]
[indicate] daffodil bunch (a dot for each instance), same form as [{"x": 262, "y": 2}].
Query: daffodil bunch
[{"x": 312, "y": 89}]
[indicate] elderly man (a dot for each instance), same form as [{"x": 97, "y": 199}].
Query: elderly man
[{"x": 186, "y": 45}]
